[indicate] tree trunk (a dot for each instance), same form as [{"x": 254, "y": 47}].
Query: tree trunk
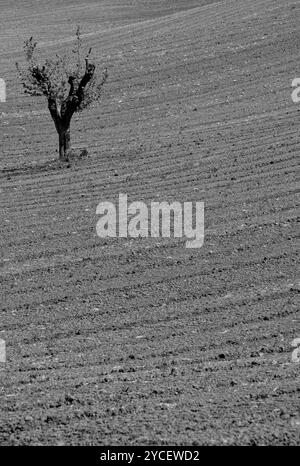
[{"x": 64, "y": 143}]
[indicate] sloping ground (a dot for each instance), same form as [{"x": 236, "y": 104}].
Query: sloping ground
[
  {"x": 122, "y": 341},
  {"x": 55, "y": 20}
]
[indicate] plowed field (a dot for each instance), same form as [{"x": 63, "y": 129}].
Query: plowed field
[{"x": 142, "y": 341}]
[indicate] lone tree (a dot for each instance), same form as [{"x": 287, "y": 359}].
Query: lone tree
[{"x": 69, "y": 84}]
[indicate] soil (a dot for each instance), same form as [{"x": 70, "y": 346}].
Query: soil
[{"x": 142, "y": 341}]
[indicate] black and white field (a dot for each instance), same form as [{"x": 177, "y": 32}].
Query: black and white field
[{"x": 142, "y": 341}]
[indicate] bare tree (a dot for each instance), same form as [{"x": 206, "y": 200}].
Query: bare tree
[{"x": 69, "y": 83}]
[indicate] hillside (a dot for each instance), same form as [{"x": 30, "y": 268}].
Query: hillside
[{"x": 142, "y": 341}]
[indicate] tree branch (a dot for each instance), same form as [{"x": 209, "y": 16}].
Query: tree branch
[
  {"x": 52, "y": 106},
  {"x": 87, "y": 77},
  {"x": 71, "y": 82}
]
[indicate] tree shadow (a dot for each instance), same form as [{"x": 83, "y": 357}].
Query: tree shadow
[{"x": 44, "y": 167}]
